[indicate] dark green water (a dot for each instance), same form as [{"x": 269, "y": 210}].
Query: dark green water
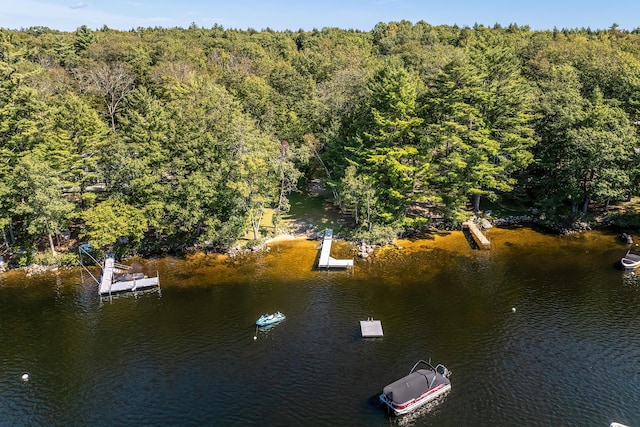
[{"x": 569, "y": 355}]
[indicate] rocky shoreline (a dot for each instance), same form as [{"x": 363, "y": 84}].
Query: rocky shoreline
[
  {"x": 576, "y": 227},
  {"x": 363, "y": 249}
]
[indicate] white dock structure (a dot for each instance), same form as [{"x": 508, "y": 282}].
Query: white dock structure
[
  {"x": 371, "y": 328},
  {"x": 480, "y": 238},
  {"x": 326, "y": 261},
  {"x": 110, "y": 285}
]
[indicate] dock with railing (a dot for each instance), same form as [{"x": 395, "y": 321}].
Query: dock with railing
[{"x": 116, "y": 279}]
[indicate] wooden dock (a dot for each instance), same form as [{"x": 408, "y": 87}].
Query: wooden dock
[
  {"x": 109, "y": 284},
  {"x": 326, "y": 261},
  {"x": 477, "y": 234},
  {"x": 371, "y": 328}
]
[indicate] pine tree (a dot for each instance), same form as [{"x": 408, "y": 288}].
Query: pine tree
[{"x": 392, "y": 152}]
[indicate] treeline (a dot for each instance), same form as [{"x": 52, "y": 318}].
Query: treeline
[{"x": 186, "y": 136}]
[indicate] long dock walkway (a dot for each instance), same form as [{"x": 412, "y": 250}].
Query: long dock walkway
[
  {"x": 477, "y": 234},
  {"x": 107, "y": 276},
  {"x": 110, "y": 285},
  {"x": 326, "y": 261}
]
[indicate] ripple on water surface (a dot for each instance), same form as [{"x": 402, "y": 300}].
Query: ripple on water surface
[{"x": 567, "y": 356}]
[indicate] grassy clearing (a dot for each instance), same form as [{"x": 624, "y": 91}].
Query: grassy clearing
[
  {"x": 631, "y": 207},
  {"x": 266, "y": 228},
  {"x": 316, "y": 211}
]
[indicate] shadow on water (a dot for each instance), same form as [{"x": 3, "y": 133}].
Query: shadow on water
[{"x": 470, "y": 239}]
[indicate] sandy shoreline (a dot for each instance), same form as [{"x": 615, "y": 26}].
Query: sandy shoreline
[{"x": 285, "y": 237}]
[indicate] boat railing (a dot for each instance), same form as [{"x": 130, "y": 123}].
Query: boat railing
[
  {"x": 439, "y": 368},
  {"x": 423, "y": 362},
  {"x": 443, "y": 370},
  {"x": 433, "y": 381},
  {"x": 121, "y": 268}
]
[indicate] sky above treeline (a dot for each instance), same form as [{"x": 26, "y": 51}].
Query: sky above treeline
[{"x": 68, "y": 15}]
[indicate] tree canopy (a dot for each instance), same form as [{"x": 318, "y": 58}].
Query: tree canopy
[{"x": 186, "y": 136}]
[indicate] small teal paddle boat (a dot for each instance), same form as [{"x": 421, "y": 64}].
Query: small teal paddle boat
[{"x": 270, "y": 319}]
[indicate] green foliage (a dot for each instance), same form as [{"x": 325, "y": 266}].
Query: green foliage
[
  {"x": 24, "y": 258},
  {"x": 84, "y": 37},
  {"x": 61, "y": 260},
  {"x": 110, "y": 220},
  {"x": 481, "y": 125},
  {"x": 392, "y": 154},
  {"x": 624, "y": 220},
  {"x": 602, "y": 145},
  {"x": 187, "y": 136},
  {"x": 378, "y": 234},
  {"x": 38, "y": 192},
  {"x": 358, "y": 194}
]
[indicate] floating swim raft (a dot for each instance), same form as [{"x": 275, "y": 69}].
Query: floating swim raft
[{"x": 371, "y": 328}]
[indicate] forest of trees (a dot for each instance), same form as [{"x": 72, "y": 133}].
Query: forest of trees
[{"x": 176, "y": 136}]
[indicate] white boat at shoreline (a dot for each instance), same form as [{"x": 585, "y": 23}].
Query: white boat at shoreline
[{"x": 630, "y": 260}]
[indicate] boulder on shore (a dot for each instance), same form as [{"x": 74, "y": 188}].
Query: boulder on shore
[{"x": 626, "y": 238}]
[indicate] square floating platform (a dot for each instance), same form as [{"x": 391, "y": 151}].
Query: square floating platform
[{"x": 371, "y": 328}]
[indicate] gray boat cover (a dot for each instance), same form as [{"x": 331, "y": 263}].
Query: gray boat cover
[
  {"x": 412, "y": 386},
  {"x": 632, "y": 257},
  {"x": 126, "y": 277}
]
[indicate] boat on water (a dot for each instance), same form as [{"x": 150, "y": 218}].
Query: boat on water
[
  {"x": 416, "y": 389},
  {"x": 270, "y": 319},
  {"x": 125, "y": 277},
  {"x": 630, "y": 260}
]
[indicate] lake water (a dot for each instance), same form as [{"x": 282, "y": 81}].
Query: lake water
[{"x": 569, "y": 355}]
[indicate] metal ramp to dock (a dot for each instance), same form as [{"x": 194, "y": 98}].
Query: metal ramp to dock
[
  {"x": 371, "y": 328},
  {"x": 326, "y": 261}
]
